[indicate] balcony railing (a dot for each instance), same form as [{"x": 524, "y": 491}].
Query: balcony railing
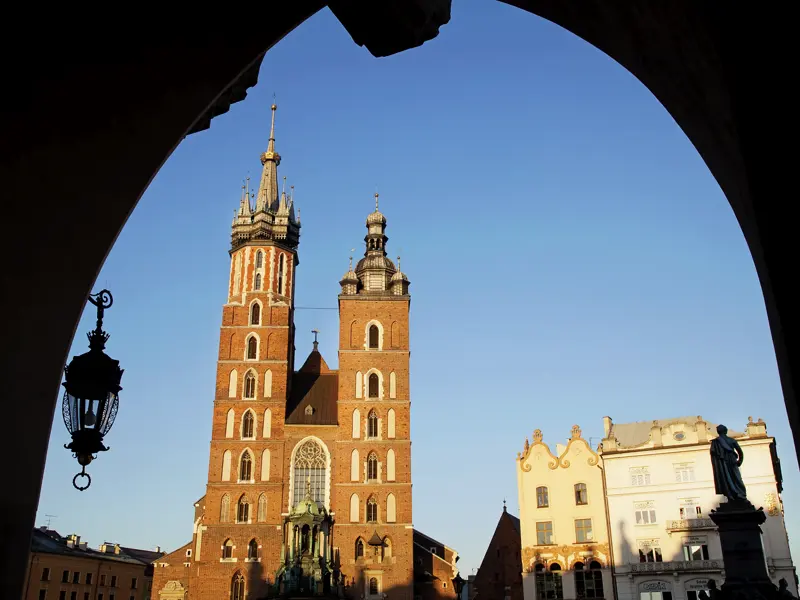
[
  {"x": 676, "y": 565},
  {"x": 690, "y": 524}
]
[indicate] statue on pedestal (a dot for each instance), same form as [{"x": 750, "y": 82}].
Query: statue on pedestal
[{"x": 726, "y": 458}]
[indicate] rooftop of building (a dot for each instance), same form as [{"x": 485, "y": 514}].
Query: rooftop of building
[
  {"x": 314, "y": 393},
  {"x": 637, "y": 433},
  {"x": 49, "y": 541}
]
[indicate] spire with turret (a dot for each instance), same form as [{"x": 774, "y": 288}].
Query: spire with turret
[{"x": 274, "y": 216}]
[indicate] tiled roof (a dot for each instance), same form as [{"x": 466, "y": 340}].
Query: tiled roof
[
  {"x": 638, "y": 433},
  {"x": 43, "y": 541},
  {"x": 314, "y": 385}
]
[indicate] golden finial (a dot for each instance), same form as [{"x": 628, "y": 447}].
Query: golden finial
[{"x": 376, "y": 201}]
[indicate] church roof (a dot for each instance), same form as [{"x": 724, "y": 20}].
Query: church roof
[{"x": 314, "y": 393}]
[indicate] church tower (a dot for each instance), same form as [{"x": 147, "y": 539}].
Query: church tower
[{"x": 374, "y": 520}]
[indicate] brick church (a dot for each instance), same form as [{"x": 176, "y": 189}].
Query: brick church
[{"x": 309, "y": 477}]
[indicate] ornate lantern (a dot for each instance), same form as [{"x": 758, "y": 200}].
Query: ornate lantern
[
  {"x": 91, "y": 397},
  {"x": 458, "y": 584}
]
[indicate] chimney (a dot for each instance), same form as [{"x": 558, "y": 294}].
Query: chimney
[
  {"x": 607, "y": 423},
  {"x": 73, "y": 540},
  {"x": 84, "y": 545},
  {"x": 158, "y": 548}
]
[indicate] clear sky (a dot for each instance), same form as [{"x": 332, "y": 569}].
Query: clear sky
[{"x": 570, "y": 257}]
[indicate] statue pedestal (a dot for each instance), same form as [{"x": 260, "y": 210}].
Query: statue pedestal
[{"x": 746, "y": 575}]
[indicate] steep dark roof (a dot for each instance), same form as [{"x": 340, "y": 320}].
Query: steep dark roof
[
  {"x": 43, "y": 541},
  {"x": 314, "y": 385},
  {"x": 514, "y": 520}
]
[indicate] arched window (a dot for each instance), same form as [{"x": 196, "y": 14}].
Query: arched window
[
  {"x": 259, "y": 259},
  {"x": 225, "y": 509},
  {"x": 355, "y": 466},
  {"x": 374, "y": 386},
  {"x": 268, "y": 385},
  {"x": 392, "y": 385},
  {"x": 281, "y": 269},
  {"x": 373, "y": 586},
  {"x": 359, "y": 548},
  {"x": 248, "y": 423},
  {"x": 588, "y": 583},
  {"x": 233, "y": 384},
  {"x": 257, "y": 282},
  {"x": 252, "y": 549},
  {"x": 262, "y": 508},
  {"x": 229, "y": 424},
  {"x": 372, "y": 511},
  {"x": 252, "y": 348},
  {"x": 372, "y": 467},
  {"x": 390, "y": 475},
  {"x": 246, "y": 467},
  {"x": 226, "y": 465},
  {"x": 391, "y": 508},
  {"x": 580, "y": 494},
  {"x": 542, "y": 497},
  {"x": 390, "y": 424},
  {"x": 372, "y": 425},
  {"x": 255, "y": 314},
  {"x": 548, "y": 582},
  {"x": 359, "y": 384},
  {"x": 310, "y": 464},
  {"x": 266, "y": 464},
  {"x": 243, "y": 510},
  {"x": 268, "y": 423},
  {"x": 354, "y": 508},
  {"x": 356, "y": 424},
  {"x": 227, "y": 549},
  {"x": 237, "y": 587},
  {"x": 387, "y": 548},
  {"x": 374, "y": 337},
  {"x": 249, "y": 385}
]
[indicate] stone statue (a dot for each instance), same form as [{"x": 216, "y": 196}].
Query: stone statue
[
  {"x": 726, "y": 458},
  {"x": 783, "y": 589}
]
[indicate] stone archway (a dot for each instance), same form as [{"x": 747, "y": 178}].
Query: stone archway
[{"x": 81, "y": 139}]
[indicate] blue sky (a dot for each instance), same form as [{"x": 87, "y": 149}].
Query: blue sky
[{"x": 570, "y": 257}]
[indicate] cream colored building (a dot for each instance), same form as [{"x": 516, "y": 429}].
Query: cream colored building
[
  {"x": 660, "y": 490},
  {"x": 564, "y": 532}
]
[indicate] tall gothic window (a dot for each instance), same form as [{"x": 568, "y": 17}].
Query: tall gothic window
[
  {"x": 243, "y": 510},
  {"x": 542, "y": 497},
  {"x": 373, "y": 586},
  {"x": 310, "y": 465},
  {"x": 247, "y": 423},
  {"x": 237, "y": 587},
  {"x": 588, "y": 583},
  {"x": 249, "y": 385},
  {"x": 580, "y": 494},
  {"x": 372, "y": 425},
  {"x": 374, "y": 336},
  {"x": 372, "y": 467},
  {"x": 372, "y": 511},
  {"x": 259, "y": 259},
  {"x": 359, "y": 548},
  {"x": 374, "y": 385},
  {"x": 252, "y": 348},
  {"x": 246, "y": 467},
  {"x": 225, "y": 509},
  {"x": 262, "y": 508},
  {"x": 252, "y": 549},
  {"x": 257, "y": 282},
  {"x": 255, "y": 314},
  {"x": 227, "y": 549},
  {"x": 281, "y": 268}
]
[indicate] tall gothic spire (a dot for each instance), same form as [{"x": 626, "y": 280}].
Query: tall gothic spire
[
  {"x": 268, "y": 188},
  {"x": 244, "y": 204}
]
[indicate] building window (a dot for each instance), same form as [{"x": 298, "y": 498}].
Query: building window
[
  {"x": 257, "y": 282},
  {"x": 224, "y": 516},
  {"x": 252, "y": 348},
  {"x": 548, "y": 582},
  {"x": 255, "y": 314},
  {"x": 691, "y": 512},
  {"x": 100, "y": 596},
  {"x": 373, "y": 385},
  {"x": 640, "y": 476},
  {"x": 684, "y": 473},
  {"x": 372, "y": 511},
  {"x": 102, "y": 579},
  {"x": 65, "y": 577},
  {"x": 588, "y": 583},
  {"x": 43, "y": 594},
  {"x": 46, "y": 574},
  {"x": 88, "y": 579},
  {"x": 246, "y": 467},
  {"x": 252, "y": 549},
  {"x": 134, "y": 583},
  {"x": 658, "y": 595},
  {"x": 695, "y": 552},
  {"x": 373, "y": 586},
  {"x": 262, "y": 508},
  {"x": 247, "y": 419},
  {"x": 310, "y": 464},
  {"x": 583, "y": 530},
  {"x": 227, "y": 549},
  {"x": 76, "y": 577},
  {"x": 112, "y": 596},
  {"x": 259, "y": 259},
  {"x": 542, "y": 497},
  {"x": 237, "y": 587},
  {"x": 281, "y": 267},
  {"x": 62, "y": 595},
  {"x": 73, "y": 596},
  {"x": 650, "y": 551},
  {"x": 374, "y": 337},
  {"x": 372, "y": 467},
  {"x": 581, "y": 497},
  {"x": 544, "y": 533},
  {"x": 243, "y": 511},
  {"x": 249, "y": 387},
  {"x": 372, "y": 424},
  {"x": 113, "y": 581},
  {"x": 359, "y": 548},
  {"x": 645, "y": 513}
]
